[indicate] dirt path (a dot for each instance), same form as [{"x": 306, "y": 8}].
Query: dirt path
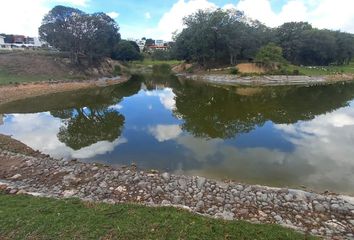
[{"x": 10, "y": 93}]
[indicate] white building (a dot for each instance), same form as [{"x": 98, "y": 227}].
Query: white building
[
  {"x": 141, "y": 44},
  {"x": 159, "y": 43},
  {"x": 31, "y": 43},
  {"x": 4, "y": 45}
]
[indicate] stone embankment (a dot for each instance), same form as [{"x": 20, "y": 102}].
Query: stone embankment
[
  {"x": 329, "y": 216},
  {"x": 267, "y": 80}
]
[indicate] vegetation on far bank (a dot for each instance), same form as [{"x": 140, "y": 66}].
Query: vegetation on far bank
[
  {"x": 211, "y": 39},
  {"x": 224, "y": 37},
  {"x": 27, "y": 217},
  {"x": 322, "y": 70}
]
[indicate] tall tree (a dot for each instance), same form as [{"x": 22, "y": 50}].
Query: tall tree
[
  {"x": 318, "y": 47},
  {"x": 88, "y": 35},
  {"x": 126, "y": 51},
  {"x": 345, "y": 47},
  {"x": 289, "y": 37}
]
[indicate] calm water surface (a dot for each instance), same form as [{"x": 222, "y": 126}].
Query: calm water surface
[{"x": 278, "y": 136}]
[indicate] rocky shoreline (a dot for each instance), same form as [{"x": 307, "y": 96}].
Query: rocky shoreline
[
  {"x": 267, "y": 80},
  {"x": 24, "y": 171}
]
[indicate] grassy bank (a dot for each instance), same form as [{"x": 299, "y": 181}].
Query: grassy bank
[
  {"x": 13, "y": 78},
  {"x": 323, "y": 70},
  {"x": 26, "y": 217},
  {"x": 150, "y": 62}
]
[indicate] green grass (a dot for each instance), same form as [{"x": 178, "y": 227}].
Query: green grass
[
  {"x": 26, "y": 217},
  {"x": 9, "y": 78},
  {"x": 150, "y": 62},
  {"x": 330, "y": 70}
]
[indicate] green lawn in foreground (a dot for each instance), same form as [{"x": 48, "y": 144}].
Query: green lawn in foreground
[{"x": 26, "y": 217}]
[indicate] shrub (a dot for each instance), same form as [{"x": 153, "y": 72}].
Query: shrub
[
  {"x": 296, "y": 72},
  {"x": 163, "y": 69},
  {"x": 117, "y": 70},
  {"x": 234, "y": 71}
]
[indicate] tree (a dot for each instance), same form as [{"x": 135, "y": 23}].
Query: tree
[
  {"x": 318, "y": 47},
  {"x": 88, "y": 35},
  {"x": 345, "y": 47},
  {"x": 91, "y": 125},
  {"x": 219, "y": 37},
  {"x": 135, "y": 45},
  {"x": 289, "y": 37},
  {"x": 149, "y": 42},
  {"x": 125, "y": 51},
  {"x": 161, "y": 55},
  {"x": 270, "y": 56}
]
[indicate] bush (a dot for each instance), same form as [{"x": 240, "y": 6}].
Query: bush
[
  {"x": 117, "y": 70},
  {"x": 161, "y": 55},
  {"x": 163, "y": 69},
  {"x": 296, "y": 72},
  {"x": 234, "y": 71}
]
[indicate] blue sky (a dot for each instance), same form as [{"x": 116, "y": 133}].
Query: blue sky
[{"x": 158, "y": 19}]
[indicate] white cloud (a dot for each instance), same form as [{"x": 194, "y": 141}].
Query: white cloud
[
  {"x": 164, "y": 133},
  {"x": 25, "y": 17},
  {"x": 36, "y": 129},
  {"x": 113, "y": 15},
  {"x": 331, "y": 14},
  {"x": 147, "y": 15},
  {"x": 74, "y": 2},
  {"x": 116, "y": 107},
  {"x": 166, "y": 96},
  {"x": 173, "y": 19}
]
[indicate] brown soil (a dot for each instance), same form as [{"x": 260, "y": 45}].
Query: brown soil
[
  {"x": 250, "y": 68},
  {"x": 10, "y": 144},
  {"x": 181, "y": 67},
  {"x": 10, "y": 93}
]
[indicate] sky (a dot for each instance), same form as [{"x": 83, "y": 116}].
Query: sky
[{"x": 160, "y": 19}]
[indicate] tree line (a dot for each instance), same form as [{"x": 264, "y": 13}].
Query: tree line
[
  {"x": 210, "y": 38},
  {"x": 220, "y": 37}
]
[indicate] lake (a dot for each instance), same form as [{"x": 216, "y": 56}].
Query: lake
[{"x": 288, "y": 136}]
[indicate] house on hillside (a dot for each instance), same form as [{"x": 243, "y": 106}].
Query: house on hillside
[
  {"x": 159, "y": 45},
  {"x": 155, "y": 47},
  {"x": 20, "y": 42}
]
